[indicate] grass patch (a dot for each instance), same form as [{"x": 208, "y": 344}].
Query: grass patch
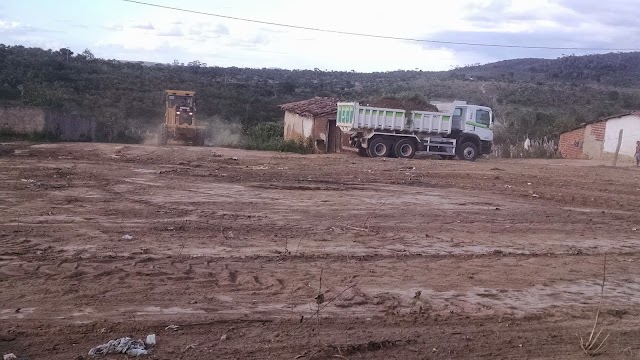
[{"x": 34, "y": 136}]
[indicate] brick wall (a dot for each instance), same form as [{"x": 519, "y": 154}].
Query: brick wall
[
  {"x": 571, "y": 144},
  {"x": 598, "y": 129}
]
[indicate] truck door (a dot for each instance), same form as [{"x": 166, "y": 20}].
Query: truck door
[
  {"x": 458, "y": 119},
  {"x": 479, "y": 121}
]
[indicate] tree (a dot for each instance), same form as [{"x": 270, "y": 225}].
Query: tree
[
  {"x": 88, "y": 54},
  {"x": 197, "y": 63},
  {"x": 66, "y": 53}
]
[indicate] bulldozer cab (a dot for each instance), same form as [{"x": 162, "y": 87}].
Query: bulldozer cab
[
  {"x": 180, "y": 108},
  {"x": 180, "y": 119}
]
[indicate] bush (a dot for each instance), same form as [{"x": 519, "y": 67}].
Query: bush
[
  {"x": 269, "y": 136},
  {"x": 297, "y": 146}
]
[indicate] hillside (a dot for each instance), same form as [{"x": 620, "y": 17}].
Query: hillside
[
  {"x": 613, "y": 69},
  {"x": 531, "y": 97}
]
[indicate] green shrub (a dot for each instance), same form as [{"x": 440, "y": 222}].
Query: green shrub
[
  {"x": 301, "y": 146},
  {"x": 269, "y": 137}
]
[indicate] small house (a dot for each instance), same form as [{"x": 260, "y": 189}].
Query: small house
[
  {"x": 314, "y": 120},
  {"x": 598, "y": 139}
]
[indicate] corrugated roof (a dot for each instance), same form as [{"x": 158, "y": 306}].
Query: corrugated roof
[
  {"x": 317, "y": 106},
  {"x": 637, "y": 113}
]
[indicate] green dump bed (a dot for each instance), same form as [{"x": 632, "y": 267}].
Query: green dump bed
[{"x": 353, "y": 118}]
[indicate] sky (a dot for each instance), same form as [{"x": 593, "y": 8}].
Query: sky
[{"x": 116, "y": 29}]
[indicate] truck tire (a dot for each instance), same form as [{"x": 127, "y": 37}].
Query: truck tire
[
  {"x": 378, "y": 147},
  {"x": 362, "y": 151},
  {"x": 405, "y": 149},
  {"x": 468, "y": 151},
  {"x": 163, "y": 134}
]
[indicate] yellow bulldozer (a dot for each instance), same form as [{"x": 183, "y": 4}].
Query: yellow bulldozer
[{"x": 180, "y": 122}]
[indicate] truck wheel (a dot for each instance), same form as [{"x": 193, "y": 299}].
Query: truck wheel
[
  {"x": 405, "y": 149},
  {"x": 163, "y": 135},
  {"x": 468, "y": 151},
  {"x": 378, "y": 148},
  {"x": 362, "y": 151}
]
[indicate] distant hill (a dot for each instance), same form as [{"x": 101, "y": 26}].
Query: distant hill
[
  {"x": 530, "y": 97},
  {"x": 614, "y": 69}
]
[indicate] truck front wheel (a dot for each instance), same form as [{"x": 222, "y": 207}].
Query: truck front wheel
[
  {"x": 468, "y": 151},
  {"x": 405, "y": 149},
  {"x": 378, "y": 148}
]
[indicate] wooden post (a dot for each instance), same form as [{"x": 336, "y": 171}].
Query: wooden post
[{"x": 615, "y": 157}]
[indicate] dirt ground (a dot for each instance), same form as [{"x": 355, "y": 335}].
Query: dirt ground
[{"x": 415, "y": 259}]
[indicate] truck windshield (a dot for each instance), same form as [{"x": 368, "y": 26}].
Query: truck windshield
[
  {"x": 483, "y": 117},
  {"x": 179, "y": 101}
]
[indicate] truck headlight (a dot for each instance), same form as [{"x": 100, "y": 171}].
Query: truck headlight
[{"x": 178, "y": 112}]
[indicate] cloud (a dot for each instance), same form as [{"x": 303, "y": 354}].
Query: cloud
[
  {"x": 207, "y": 31},
  {"x": 16, "y": 28},
  {"x": 170, "y": 32},
  {"x": 8, "y": 25},
  {"x": 143, "y": 26},
  {"x": 221, "y": 30},
  {"x": 559, "y": 23},
  {"x": 114, "y": 27},
  {"x": 615, "y": 13}
]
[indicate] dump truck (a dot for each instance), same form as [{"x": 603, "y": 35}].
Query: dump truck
[
  {"x": 457, "y": 130},
  {"x": 180, "y": 119}
]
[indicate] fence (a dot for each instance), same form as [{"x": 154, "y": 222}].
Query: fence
[{"x": 537, "y": 148}]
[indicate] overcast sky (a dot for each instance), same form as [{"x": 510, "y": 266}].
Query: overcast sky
[{"x": 121, "y": 30}]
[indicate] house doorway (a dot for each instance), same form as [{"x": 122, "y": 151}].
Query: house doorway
[{"x": 333, "y": 143}]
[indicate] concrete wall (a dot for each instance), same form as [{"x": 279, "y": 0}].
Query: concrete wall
[
  {"x": 301, "y": 127},
  {"x": 631, "y": 126},
  {"x": 296, "y": 126},
  {"x": 22, "y": 119},
  {"x": 29, "y": 120},
  {"x": 70, "y": 127},
  {"x": 594, "y": 140}
]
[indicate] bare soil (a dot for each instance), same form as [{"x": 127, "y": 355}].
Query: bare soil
[{"x": 416, "y": 259}]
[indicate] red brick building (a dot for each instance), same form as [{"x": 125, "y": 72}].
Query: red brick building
[{"x": 598, "y": 139}]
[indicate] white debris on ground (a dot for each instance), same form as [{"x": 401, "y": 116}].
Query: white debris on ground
[
  {"x": 127, "y": 237},
  {"x": 9, "y": 357},
  {"x": 125, "y": 345},
  {"x": 151, "y": 340}
]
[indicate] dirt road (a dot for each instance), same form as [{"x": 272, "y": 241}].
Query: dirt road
[{"x": 415, "y": 259}]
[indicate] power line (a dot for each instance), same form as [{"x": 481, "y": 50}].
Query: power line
[{"x": 372, "y": 35}]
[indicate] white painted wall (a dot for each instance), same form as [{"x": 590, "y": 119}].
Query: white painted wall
[
  {"x": 296, "y": 126},
  {"x": 631, "y": 134}
]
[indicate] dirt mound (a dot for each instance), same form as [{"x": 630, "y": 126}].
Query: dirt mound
[{"x": 408, "y": 105}]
